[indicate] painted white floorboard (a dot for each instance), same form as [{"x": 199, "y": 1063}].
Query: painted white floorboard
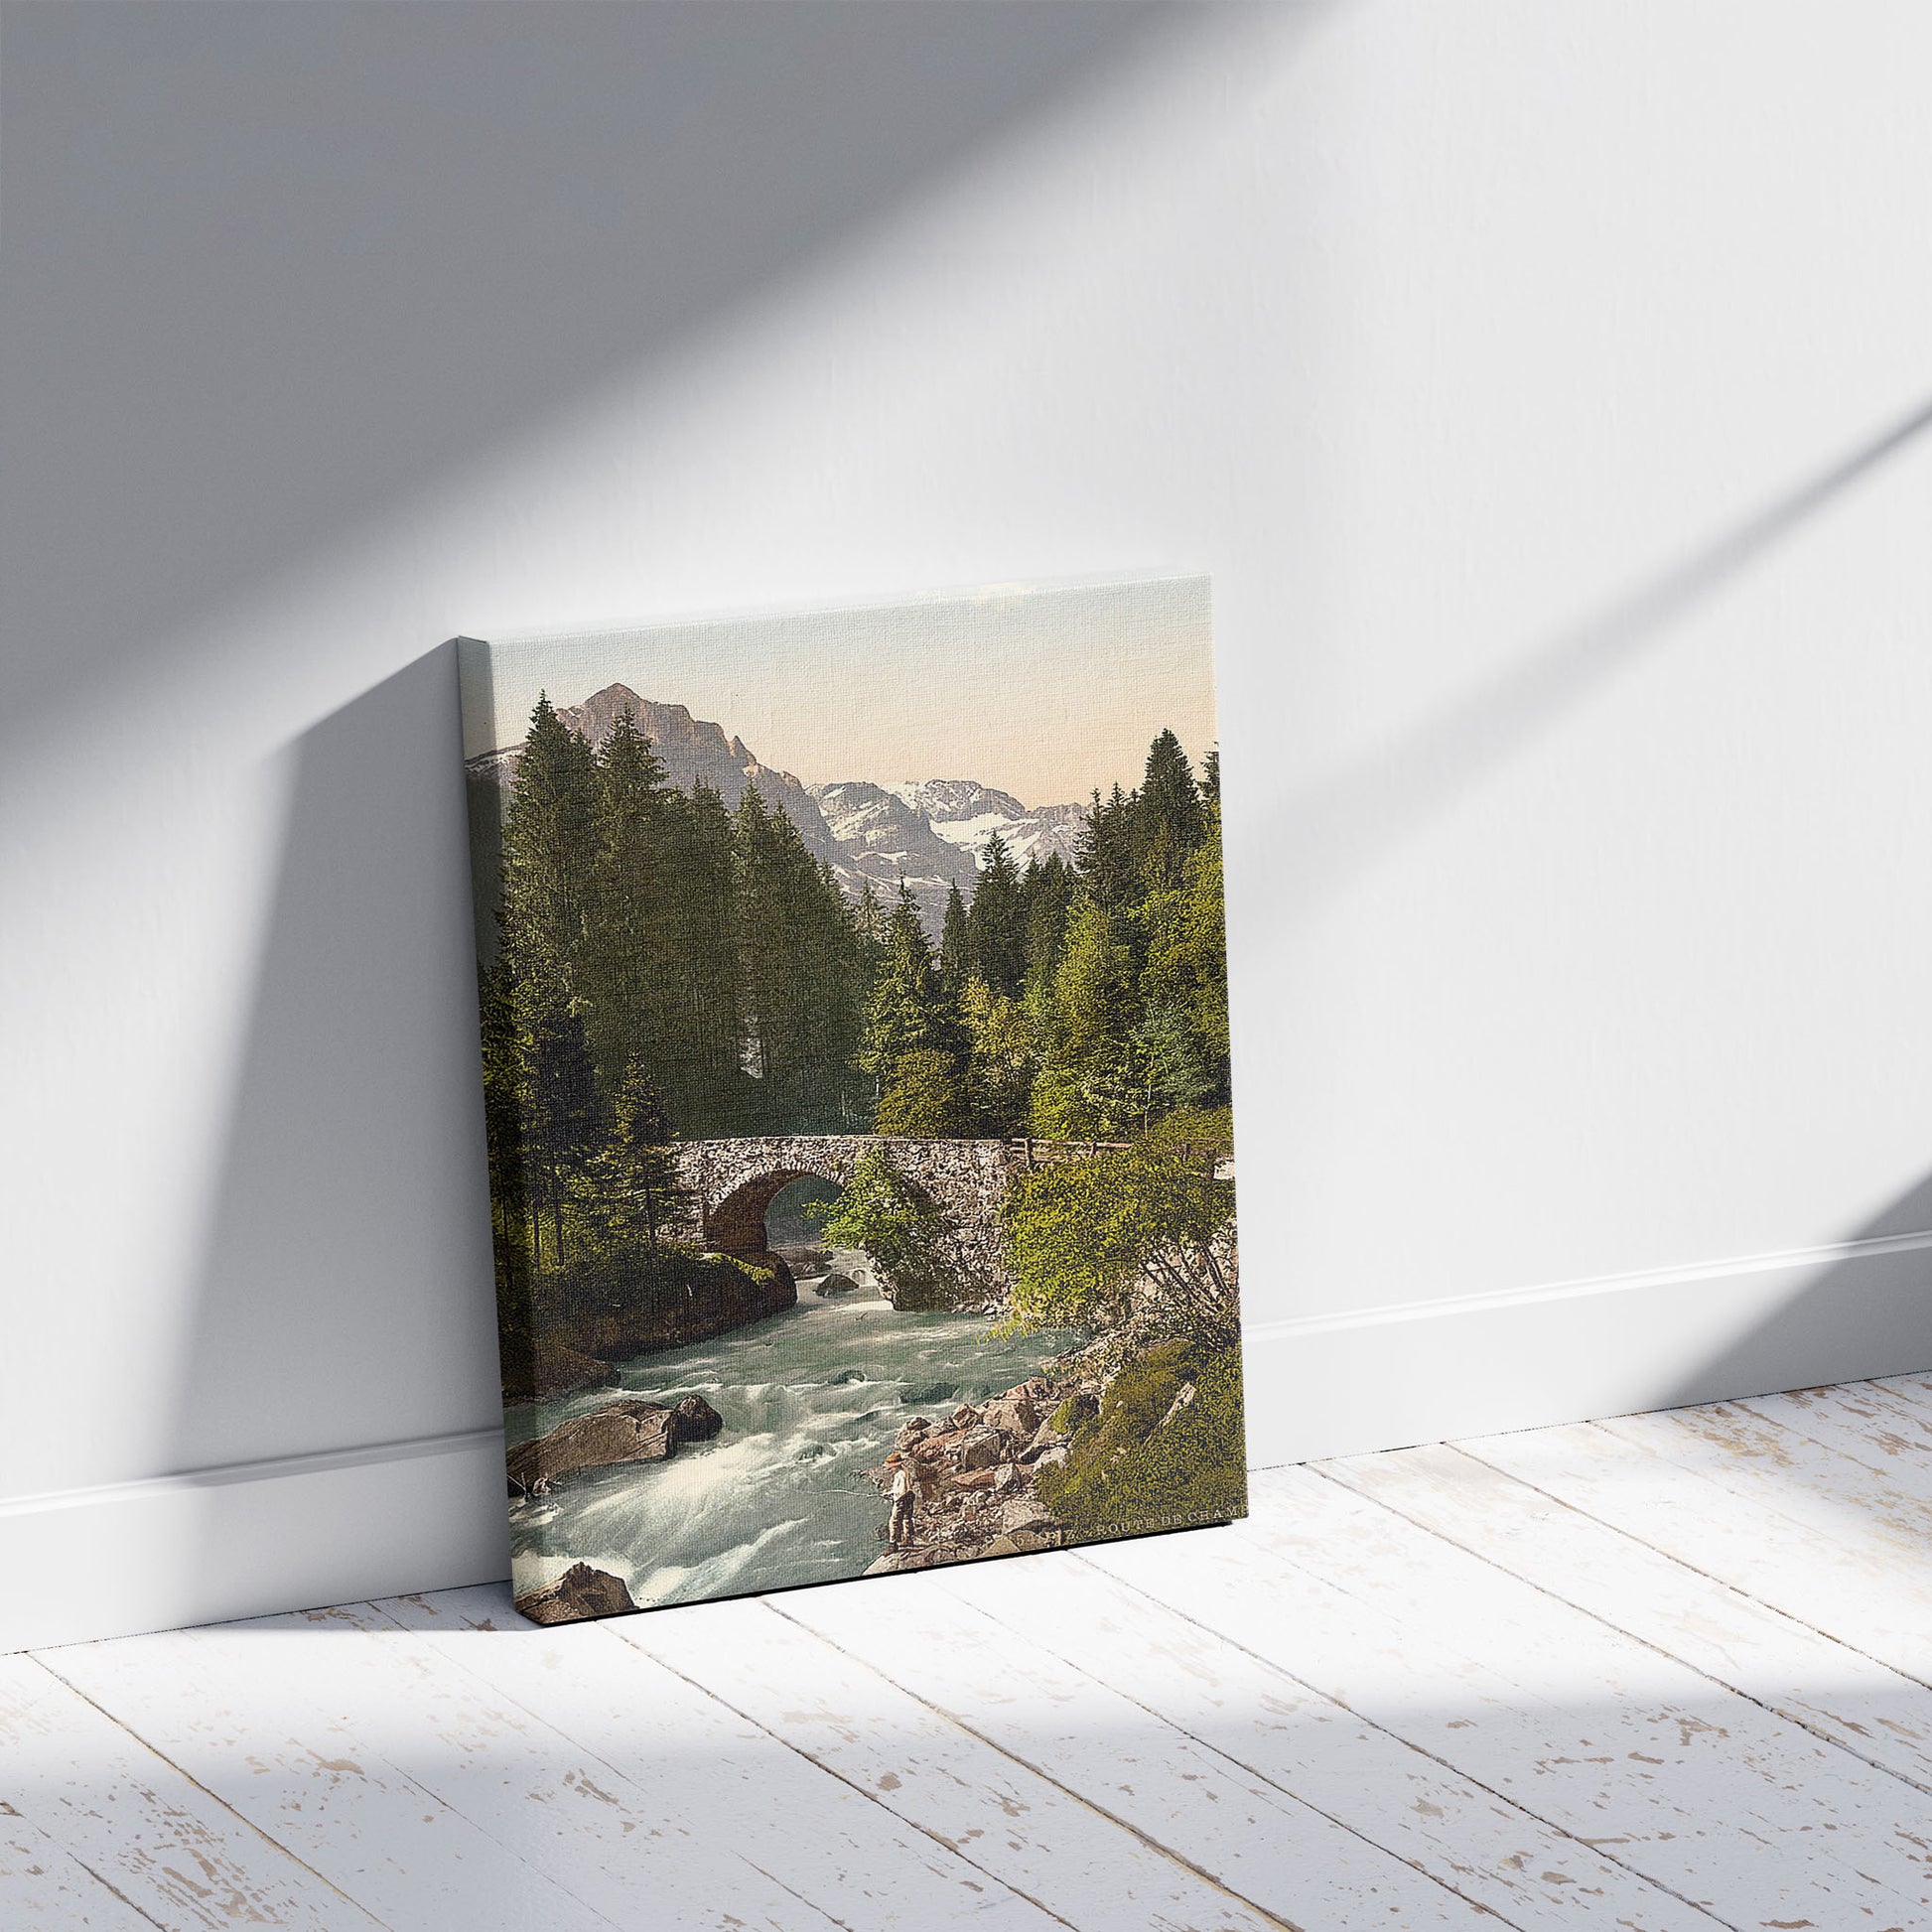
[
  {"x": 253, "y": 1715},
  {"x": 1264, "y": 1845},
  {"x": 1612, "y": 1750},
  {"x": 164, "y": 1845},
  {"x": 1886, "y": 1433},
  {"x": 1663, "y": 1673},
  {"x": 1838, "y": 1693},
  {"x": 1872, "y": 1603},
  {"x": 1684, "y": 1745},
  {"x": 741, "y": 1793},
  {"x": 1046, "y": 1842},
  {"x": 45, "y": 1888},
  {"x": 1257, "y": 1716}
]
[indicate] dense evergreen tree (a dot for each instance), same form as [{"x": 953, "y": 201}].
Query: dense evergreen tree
[
  {"x": 1003, "y": 1060},
  {"x": 911, "y": 1010},
  {"x": 925, "y": 1097},
  {"x": 1168, "y": 823},
  {"x": 550, "y": 846},
  {"x": 998, "y": 920},
  {"x": 631, "y": 917},
  {"x": 870, "y": 920},
  {"x": 798, "y": 974},
  {"x": 1049, "y": 890},
  {"x": 955, "y": 945},
  {"x": 1108, "y": 860},
  {"x": 699, "y": 1075},
  {"x": 561, "y": 1120},
  {"x": 1186, "y": 974},
  {"x": 1087, "y": 1028},
  {"x": 638, "y": 1190}
]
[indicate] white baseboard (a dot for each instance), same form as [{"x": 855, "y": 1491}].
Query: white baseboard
[
  {"x": 252, "y": 1539},
  {"x": 1526, "y": 1358},
  {"x": 427, "y": 1514}
]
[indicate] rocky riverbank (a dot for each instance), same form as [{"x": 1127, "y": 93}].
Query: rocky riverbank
[
  {"x": 580, "y": 1352},
  {"x": 975, "y": 1474}
]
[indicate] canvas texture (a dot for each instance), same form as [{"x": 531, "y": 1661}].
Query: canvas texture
[{"x": 858, "y": 1105}]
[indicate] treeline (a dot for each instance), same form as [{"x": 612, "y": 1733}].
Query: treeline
[
  {"x": 1072, "y": 1003},
  {"x": 667, "y": 968}
]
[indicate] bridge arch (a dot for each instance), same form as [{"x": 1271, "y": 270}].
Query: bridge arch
[
  {"x": 732, "y": 1184},
  {"x": 735, "y": 1225}
]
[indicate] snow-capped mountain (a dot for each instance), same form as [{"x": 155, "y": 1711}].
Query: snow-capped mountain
[
  {"x": 928, "y": 832},
  {"x": 966, "y": 814},
  {"x": 882, "y": 839}
]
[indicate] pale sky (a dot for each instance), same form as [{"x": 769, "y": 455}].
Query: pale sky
[{"x": 1043, "y": 692}]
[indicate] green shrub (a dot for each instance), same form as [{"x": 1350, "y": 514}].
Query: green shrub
[
  {"x": 1132, "y": 1468},
  {"x": 1071, "y": 1413}
]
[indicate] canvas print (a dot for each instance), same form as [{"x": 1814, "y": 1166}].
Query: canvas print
[{"x": 856, "y": 1078}]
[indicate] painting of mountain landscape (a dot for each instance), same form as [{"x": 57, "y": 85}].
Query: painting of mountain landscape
[{"x": 857, "y": 1106}]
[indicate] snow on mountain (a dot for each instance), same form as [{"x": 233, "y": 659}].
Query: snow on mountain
[
  {"x": 967, "y": 813},
  {"x": 883, "y": 839}
]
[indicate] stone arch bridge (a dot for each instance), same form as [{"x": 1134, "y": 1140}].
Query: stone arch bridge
[{"x": 733, "y": 1184}]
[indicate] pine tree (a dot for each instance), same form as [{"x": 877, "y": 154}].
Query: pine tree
[
  {"x": 1169, "y": 823},
  {"x": 629, "y": 981},
  {"x": 910, "y": 1010},
  {"x": 549, "y": 845},
  {"x": 798, "y": 973},
  {"x": 925, "y": 1097},
  {"x": 641, "y": 1182},
  {"x": 955, "y": 944},
  {"x": 1003, "y": 1060},
  {"x": 869, "y": 921},
  {"x": 1186, "y": 968},
  {"x": 700, "y": 1074},
  {"x": 998, "y": 920},
  {"x": 1049, "y": 890},
  {"x": 1084, "y": 1086},
  {"x": 560, "y": 1118},
  {"x": 1108, "y": 861}
]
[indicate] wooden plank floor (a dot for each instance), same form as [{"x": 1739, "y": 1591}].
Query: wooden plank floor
[{"x": 1667, "y": 1673}]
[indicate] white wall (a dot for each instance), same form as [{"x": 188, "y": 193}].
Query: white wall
[{"x": 1541, "y": 386}]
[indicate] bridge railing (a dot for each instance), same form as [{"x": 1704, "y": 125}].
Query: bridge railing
[{"x": 1046, "y": 1154}]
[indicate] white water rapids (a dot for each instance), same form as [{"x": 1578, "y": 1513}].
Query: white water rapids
[{"x": 810, "y": 1398}]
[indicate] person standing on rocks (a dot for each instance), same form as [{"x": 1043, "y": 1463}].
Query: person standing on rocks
[{"x": 905, "y": 1492}]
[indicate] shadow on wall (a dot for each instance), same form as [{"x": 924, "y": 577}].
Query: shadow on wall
[
  {"x": 1867, "y": 1314},
  {"x": 344, "y": 1286},
  {"x": 329, "y": 253}
]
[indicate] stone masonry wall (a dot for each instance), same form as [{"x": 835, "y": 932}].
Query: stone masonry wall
[{"x": 733, "y": 1182}]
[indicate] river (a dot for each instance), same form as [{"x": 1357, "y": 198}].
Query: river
[{"x": 810, "y": 1398}]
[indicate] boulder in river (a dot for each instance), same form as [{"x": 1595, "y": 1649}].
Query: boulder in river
[
  {"x": 579, "y": 1593},
  {"x": 695, "y": 1419},
  {"x": 630, "y": 1431}
]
